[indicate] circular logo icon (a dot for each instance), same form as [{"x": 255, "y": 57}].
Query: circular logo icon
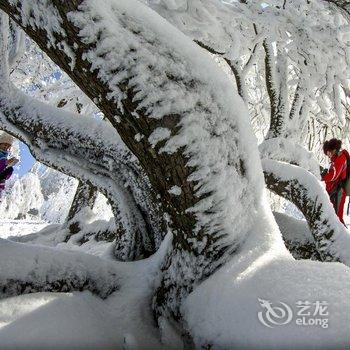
[{"x": 274, "y": 315}]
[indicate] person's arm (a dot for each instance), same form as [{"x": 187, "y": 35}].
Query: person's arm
[{"x": 335, "y": 171}]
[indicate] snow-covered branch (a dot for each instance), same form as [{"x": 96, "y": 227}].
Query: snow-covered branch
[
  {"x": 17, "y": 46},
  {"x": 30, "y": 269},
  {"x": 342, "y": 5},
  {"x": 284, "y": 150},
  {"x": 307, "y": 193}
]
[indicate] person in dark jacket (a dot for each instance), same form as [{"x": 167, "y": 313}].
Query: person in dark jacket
[
  {"x": 336, "y": 174},
  {"x": 6, "y": 165}
]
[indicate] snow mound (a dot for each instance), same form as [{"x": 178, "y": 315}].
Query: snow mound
[{"x": 223, "y": 311}]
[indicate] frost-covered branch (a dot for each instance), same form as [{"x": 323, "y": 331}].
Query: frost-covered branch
[
  {"x": 30, "y": 269},
  {"x": 284, "y": 150},
  {"x": 297, "y": 103},
  {"x": 342, "y": 5},
  {"x": 306, "y": 192},
  {"x": 276, "y": 119},
  {"x": 17, "y": 46}
]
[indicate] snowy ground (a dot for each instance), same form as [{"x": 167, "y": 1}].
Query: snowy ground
[
  {"x": 19, "y": 228},
  {"x": 79, "y": 320},
  {"x": 124, "y": 321}
]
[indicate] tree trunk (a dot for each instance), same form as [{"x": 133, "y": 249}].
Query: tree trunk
[
  {"x": 190, "y": 133},
  {"x": 85, "y": 197}
]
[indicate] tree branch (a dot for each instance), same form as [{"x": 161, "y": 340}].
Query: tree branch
[
  {"x": 30, "y": 269},
  {"x": 305, "y": 191}
]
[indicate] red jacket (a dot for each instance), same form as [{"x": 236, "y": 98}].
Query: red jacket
[{"x": 337, "y": 171}]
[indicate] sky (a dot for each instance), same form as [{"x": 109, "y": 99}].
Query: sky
[{"x": 26, "y": 162}]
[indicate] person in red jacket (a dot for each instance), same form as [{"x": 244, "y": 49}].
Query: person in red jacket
[{"x": 336, "y": 175}]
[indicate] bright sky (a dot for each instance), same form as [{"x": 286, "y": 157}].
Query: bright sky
[{"x": 27, "y": 160}]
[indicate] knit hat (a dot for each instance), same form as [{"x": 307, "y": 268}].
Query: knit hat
[{"x": 6, "y": 138}]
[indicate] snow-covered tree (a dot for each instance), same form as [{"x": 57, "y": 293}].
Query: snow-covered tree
[{"x": 176, "y": 152}]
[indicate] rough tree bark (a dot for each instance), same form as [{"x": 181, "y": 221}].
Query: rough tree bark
[{"x": 85, "y": 197}]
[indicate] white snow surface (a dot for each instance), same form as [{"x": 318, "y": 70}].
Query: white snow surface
[
  {"x": 221, "y": 311},
  {"x": 80, "y": 320},
  {"x": 224, "y": 309},
  {"x": 292, "y": 229}
]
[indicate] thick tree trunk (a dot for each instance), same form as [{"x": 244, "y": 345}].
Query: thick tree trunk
[{"x": 189, "y": 132}]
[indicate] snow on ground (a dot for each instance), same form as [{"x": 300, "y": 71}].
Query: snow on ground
[
  {"x": 19, "y": 227},
  {"x": 228, "y": 315},
  {"x": 223, "y": 310},
  {"x": 81, "y": 320}
]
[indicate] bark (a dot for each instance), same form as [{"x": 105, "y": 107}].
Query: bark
[{"x": 85, "y": 196}]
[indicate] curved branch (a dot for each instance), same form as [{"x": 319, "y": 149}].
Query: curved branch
[
  {"x": 305, "y": 191},
  {"x": 284, "y": 150},
  {"x": 342, "y": 5},
  {"x": 71, "y": 149}
]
